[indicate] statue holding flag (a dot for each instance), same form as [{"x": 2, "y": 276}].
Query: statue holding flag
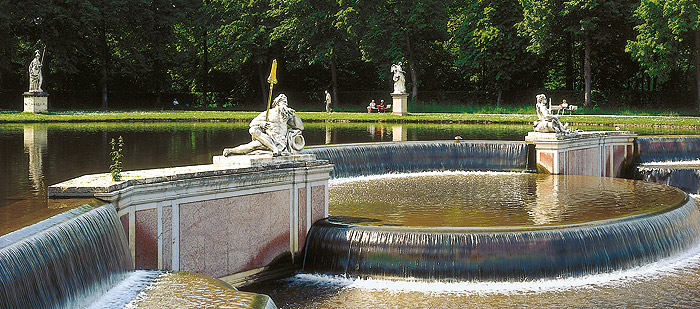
[{"x": 276, "y": 131}]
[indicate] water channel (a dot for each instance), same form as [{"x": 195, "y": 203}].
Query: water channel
[{"x": 34, "y": 156}]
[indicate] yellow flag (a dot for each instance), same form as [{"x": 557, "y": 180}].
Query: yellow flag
[
  {"x": 273, "y": 73},
  {"x": 272, "y": 80}
]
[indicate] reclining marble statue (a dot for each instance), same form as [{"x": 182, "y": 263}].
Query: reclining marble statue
[
  {"x": 276, "y": 132},
  {"x": 546, "y": 122}
]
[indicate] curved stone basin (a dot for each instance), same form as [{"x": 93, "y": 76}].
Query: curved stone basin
[{"x": 504, "y": 227}]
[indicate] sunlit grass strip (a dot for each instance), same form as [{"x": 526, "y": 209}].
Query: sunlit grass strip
[{"x": 194, "y": 116}]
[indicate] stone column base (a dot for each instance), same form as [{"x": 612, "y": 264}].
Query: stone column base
[
  {"x": 36, "y": 102},
  {"x": 400, "y": 104}
]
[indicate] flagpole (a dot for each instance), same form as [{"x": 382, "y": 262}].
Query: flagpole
[{"x": 272, "y": 80}]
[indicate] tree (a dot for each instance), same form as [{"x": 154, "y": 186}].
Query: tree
[
  {"x": 308, "y": 28},
  {"x": 397, "y": 30},
  {"x": 668, "y": 38},
  {"x": 244, "y": 37},
  {"x": 487, "y": 43},
  {"x": 587, "y": 23}
]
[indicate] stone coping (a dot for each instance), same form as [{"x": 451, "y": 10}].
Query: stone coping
[
  {"x": 36, "y": 94},
  {"x": 539, "y": 136},
  {"x": 89, "y": 185}
]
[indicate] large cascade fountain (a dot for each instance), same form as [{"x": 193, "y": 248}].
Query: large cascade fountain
[{"x": 445, "y": 227}]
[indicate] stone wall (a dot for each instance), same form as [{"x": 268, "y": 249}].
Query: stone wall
[{"x": 238, "y": 223}]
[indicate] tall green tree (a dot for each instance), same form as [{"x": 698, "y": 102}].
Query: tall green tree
[
  {"x": 244, "y": 37},
  {"x": 552, "y": 23},
  {"x": 668, "y": 39},
  {"x": 308, "y": 27},
  {"x": 397, "y": 30},
  {"x": 487, "y": 45}
]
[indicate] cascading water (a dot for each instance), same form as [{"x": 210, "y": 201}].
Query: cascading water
[
  {"x": 71, "y": 262},
  {"x": 80, "y": 259},
  {"x": 670, "y": 160},
  {"x": 382, "y": 158},
  {"x": 562, "y": 226}
]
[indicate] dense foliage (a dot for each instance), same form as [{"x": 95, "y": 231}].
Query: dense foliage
[{"x": 217, "y": 53}]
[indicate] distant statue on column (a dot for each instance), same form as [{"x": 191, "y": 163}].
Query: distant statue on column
[
  {"x": 399, "y": 78},
  {"x": 35, "y": 76}
]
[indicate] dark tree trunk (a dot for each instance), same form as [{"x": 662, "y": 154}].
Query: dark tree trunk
[
  {"x": 697, "y": 66},
  {"x": 262, "y": 77},
  {"x": 587, "y": 71},
  {"x": 103, "y": 65},
  {"x": 334, "y": 82},
  {"x": 569, "y": 63},
  {"x": 412, "y": 67}
]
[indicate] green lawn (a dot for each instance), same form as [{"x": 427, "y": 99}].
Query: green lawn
[{"x": 164, "y": 116}]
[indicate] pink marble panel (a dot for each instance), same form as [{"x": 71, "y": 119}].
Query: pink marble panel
[
  {"x": 125, "y": 224},
  {"x": 302, "y": 217},
  {"x": 618, "y": 159},
  {"x": 546, "y": 161},
  {"x": 583, "y": 162},
  {"x": 605, "y": 161},
  {"x": 167, "y": 238},
  {"x": 226, "y": 236},
  {"x": 563, "y": 162},
  {"x": 266, "y": 216},
  {"x": 146, "y": 235},
  {"x": 318, "y": 203}
]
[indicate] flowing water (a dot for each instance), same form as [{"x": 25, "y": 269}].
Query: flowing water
[
  {"x": 67, "y": 264},
  {"x": 669, "y": 160}
]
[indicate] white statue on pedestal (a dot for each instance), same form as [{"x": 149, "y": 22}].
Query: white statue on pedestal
[
  {"x": 277, "y": 131},
  {"x": 399, "y": 78},
  {"x": 546, "y": 122},
  {"x": 35, "y": 77}
]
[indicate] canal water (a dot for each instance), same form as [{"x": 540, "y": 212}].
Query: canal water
[{"x": 34, "y": 156}]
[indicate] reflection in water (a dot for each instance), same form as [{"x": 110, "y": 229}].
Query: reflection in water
[
  {"x": 399, "y": 133},
  {"x": 489, "y": 199},
  {"x": 35, "y": 142}
]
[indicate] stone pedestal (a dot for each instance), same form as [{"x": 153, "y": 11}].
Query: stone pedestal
[
  {"x": 241, "y": 161},
  {"x": 600, "y": 153},
  {"x": 36, "y": 102},
  {"x": 399, "y": 104}
]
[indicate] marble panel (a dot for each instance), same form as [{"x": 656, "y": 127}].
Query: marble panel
[{"x": 146, "y": 235}]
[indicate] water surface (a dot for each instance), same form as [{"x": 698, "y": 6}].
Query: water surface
[{"x": 486, "y": 199}]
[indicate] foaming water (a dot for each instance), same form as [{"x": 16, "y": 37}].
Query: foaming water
[
  {"x": 127, "y": 290},
  {"x": 670, "y": 282},
  {"x": 665, "y": 267}
]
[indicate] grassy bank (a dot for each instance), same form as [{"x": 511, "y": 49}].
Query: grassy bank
[{"x": 164, "y": 116}]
